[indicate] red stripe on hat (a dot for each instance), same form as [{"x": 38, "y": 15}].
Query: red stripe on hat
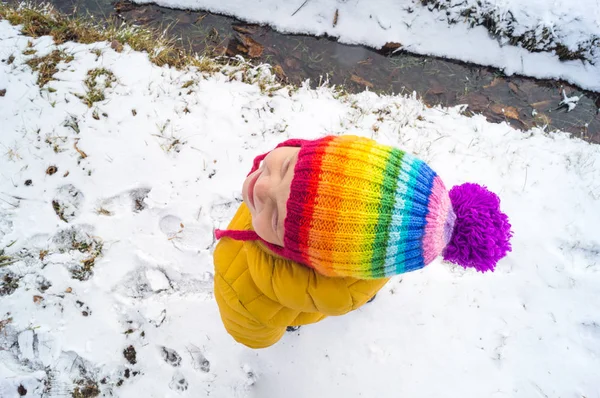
[{"x": 303, "y": 195}]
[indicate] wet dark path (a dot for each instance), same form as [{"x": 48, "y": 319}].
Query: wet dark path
[{"x": 522, "y": 102}]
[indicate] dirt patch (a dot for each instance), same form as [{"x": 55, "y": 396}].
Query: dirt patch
[
  {"x": 130, "y": 355},
  {"x": 9, "y": 282},
  {"x": 73, "y": 239},
  {"x": 86, "y": 389}
]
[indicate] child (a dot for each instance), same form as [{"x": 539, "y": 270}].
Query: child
[{"x": 325, "y": 222}]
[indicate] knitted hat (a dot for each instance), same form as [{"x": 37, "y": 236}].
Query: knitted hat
[{"x": 365, "y": 210}]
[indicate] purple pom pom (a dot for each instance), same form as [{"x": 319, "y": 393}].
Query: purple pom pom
[{"x": 482, "y": 232}]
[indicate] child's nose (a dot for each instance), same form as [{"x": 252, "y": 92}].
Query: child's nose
[{"x": 262, "y": 189}]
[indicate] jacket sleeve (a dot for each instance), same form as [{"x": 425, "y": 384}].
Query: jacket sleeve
[{"x": 303, "y": 289}]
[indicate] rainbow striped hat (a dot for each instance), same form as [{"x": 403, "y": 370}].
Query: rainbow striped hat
[{"x": 365, "y": 210}]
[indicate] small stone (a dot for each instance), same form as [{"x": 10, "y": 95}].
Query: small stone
[
  {"x": 68, "y": 290},
  {"x": 116, "y": 45},
  {"x": 2, "y": 92},
  {"x": 21, "y": 390},
  {"x": 28, "y": 183}
]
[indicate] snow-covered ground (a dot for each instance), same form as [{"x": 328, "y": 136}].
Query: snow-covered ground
[
  {"x": 573, "y": 24},
  {"x": 106, "y": 219}
]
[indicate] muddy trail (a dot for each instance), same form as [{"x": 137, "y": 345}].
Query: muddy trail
[{"x": 521, "y": 102}]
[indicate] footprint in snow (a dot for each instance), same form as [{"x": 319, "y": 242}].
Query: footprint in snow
[
  {"x": 250, "y": 376},
  {"x": 144, "y": 281},
  {"x": 178, "y": 382},
  {"x": 199, "y": 361},
  {"x": 171, "y": 356},
  {"x": 128, "y": 201},
  {"x": 67, "y": 202},
  {"x": 222, "y": 212},
  {"x": 192, "y": 236},
  {"x": 6, "y": 225},
  {"x": 85, "y": 309}
]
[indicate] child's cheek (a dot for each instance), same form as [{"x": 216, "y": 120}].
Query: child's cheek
[{"x": 261, "y": 227}]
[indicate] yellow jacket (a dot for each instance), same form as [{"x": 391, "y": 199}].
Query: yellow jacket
[{"x": 259, "y": 294}]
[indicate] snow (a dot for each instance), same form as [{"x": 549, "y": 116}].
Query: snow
[
  {"x": 569, "y": 102},
  {"x": 154, "y": 185},
  {"x": 421, "y": 31}
]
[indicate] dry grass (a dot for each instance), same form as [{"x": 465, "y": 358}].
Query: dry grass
[
  {"x": 93, "y": 250},
  {"x": 162, "y": 50},
  {"x": 86, "y": 389},
  {"x": 46, "y": 66},
  {"x": 43, "y": 20},
  {"x": 4, "y": 323},
  {"x": 96, "y": 82},
  {"x": 6, "y": 259}
]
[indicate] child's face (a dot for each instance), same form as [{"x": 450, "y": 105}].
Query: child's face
[{"x": 267, "y": 190}]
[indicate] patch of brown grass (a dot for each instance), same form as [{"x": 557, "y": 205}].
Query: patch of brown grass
[
  {"x": 96, "y": 82},
  {"x": 44, "y": 20},
  {"x": 46, "y": 66}
]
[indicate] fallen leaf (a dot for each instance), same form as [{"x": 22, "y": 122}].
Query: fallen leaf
[
  {"x": 38, "y": 299},
  {"x": 359, "y": 80},
  {"x": 493, "y": 83},
  {"x": 144, "y": 20},
  {"x": 68, "y": 290},
  {"x": 509, "y": 111},
  {"x": 477, "y": 102},
  {"x": 51, "y": 170},
  {"x": 514, "y": 88},
  {"x": 278, "y": 70},
  {"x": 248, "y": 29},
  {"x": 335, "y": 17},
  {"x": 241, "y": 48},
  {"x": 390, "y": 47},
  {"x": 218, "y": 51},
  {"x": 254, "y": 48},
  {"x": 81, "y": 153},
  {"x": 124, "y": 6},
  {"x": 2, "y": 92},
  {"x": 541, "y": 104}
]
